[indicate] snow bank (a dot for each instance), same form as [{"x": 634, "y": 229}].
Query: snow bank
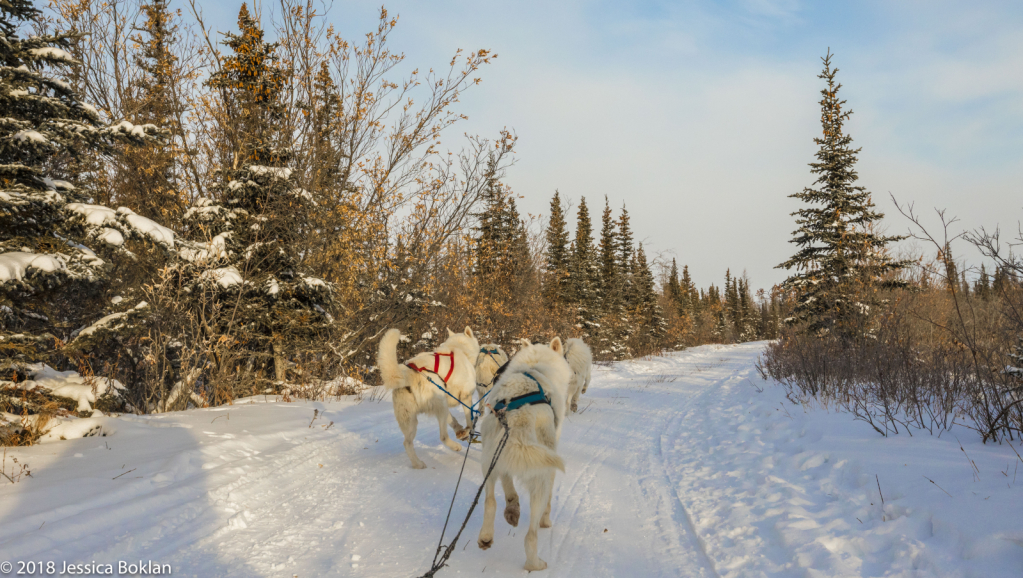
[
  {"x": 67, "y": 384},
  {"x": 16, "y": 265}
]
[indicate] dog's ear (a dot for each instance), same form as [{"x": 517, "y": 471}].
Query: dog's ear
[
  {"x": 468, "y": 331},
  {"x": 450, "y": 333},
  {"x": 524, "y": 342},
  {"x": 556, "y": 345}
]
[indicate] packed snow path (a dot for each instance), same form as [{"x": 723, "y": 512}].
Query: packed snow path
[{"x": 676, "y": 466}]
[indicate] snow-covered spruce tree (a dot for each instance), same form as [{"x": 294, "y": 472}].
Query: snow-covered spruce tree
[
  {"x": 556, "y": 260},
  {"x": 249, "y": 268},
  {"x": 841, "y": 262},
  {"x": 57, "y": 251},
  {"x": 583, "y": 276}
]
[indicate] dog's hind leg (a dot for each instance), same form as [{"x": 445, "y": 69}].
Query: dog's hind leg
[
  {"x": 408, "y": 422},
  {"x": 545, "y": 522},
  {"x": 443, "y": 420},
  {"x": 511, "y": 498},
  {"x": 486, "y": 538},
  {"x": 539, "y": 494}
]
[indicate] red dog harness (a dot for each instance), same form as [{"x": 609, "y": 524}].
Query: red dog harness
[{"x": 436, "y": 365}]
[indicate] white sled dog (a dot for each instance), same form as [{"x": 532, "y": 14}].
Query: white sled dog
[
  {"x": 490, "y": 359},
  {"x": 532, "y": 393},
  {"x": 579, "y": 358},
  {"x": 451, "y": 366}
]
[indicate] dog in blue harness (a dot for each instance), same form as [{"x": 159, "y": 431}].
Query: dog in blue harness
[{"x": 532, "y": 394}]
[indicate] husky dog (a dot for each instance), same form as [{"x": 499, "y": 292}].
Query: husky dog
[
  {"x": 489, "y": 364},
  {"x": 579, "y": 358},
  {"x": 532, "y": 394},
  {"x": 450, "y": 366}
]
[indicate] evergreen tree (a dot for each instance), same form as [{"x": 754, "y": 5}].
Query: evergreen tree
[
  {"x": 252, "y": 253},
  {"x": 608, "y": 260},
  {"x": 689, "y": 293},
  {"x": 251, "y": 83},
  {"x": 648, "y": 313},
  {"x": 625, "y": 252},
  {"x": 556, "y": 262},
  {"x": 584, "y": 274},
  {"x": 56, "y": 250},
  {"x": 675, "y": 294},
  {"x": 841, "y": 262},
  {"x": 146, "y": 178}
]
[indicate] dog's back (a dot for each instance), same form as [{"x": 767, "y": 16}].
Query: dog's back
[
  {"x": 580, "y": 359},
  {"x": 491, "y": 358}
]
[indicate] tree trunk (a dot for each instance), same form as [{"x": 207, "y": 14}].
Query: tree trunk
[{"x": 280, "y": 362}]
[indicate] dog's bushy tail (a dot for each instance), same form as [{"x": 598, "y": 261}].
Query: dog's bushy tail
[
  {"x": 524, "y": 452},
  {"x": 391, "y": 372}
]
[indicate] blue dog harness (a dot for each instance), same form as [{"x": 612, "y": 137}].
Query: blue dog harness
[{"x": 534, "y": 398}]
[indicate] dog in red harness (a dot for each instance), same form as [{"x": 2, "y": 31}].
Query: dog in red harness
[{"x": 416, "y": 386}]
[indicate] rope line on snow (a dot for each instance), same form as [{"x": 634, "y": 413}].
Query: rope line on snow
[{"x": 442, "y": 561}]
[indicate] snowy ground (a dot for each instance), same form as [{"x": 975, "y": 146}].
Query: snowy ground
[{"x": 676, "y": 466}]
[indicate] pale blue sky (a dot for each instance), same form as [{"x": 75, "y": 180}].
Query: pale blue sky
[{"x": 700, "y": 115}]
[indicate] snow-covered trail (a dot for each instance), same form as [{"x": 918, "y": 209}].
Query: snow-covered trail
[{"x": 676, "y": 466}]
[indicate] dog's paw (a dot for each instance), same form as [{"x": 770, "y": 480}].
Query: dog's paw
[
  {"x": 511, "y": 513},
  {"x": 420, "y": 465},
  {"x": 534, "y": 566},
  {"x": 485, "y": 544},
  {"x": 575, "y": 407},
  {"x": 462, "y": 434},
  {"x": 545, "y": 521}
]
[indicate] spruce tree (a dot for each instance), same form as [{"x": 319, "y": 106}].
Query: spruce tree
[
  {"x": 584, "y": 274},
  {"x": 841, "y": 261},
  {"x": 252, "y": 255},
  {"x": 147, "y": 177},
  {"x": 556, "y": 261},
  {"x": 625, "y": 252},
  {"x": 251, "y": 83},
  {"x": 56, "y": 250},
  {"x": 608, "y": 260},
  {"x": 648, "y": 313}
]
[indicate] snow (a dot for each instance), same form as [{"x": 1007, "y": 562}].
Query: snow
[
  {"x": 224, "y": 276},
  {"x": 69, "y": 384},
  {"x": 31, "y": 135},
  {"x": 158, "y": 233},
  {"x": 52, "y": 53},
  {"x": 676, "y": 466},
  {"x": 95, "y": 215},
  {"x": 279, "y": 173},
  {"x": 14, "y": 266},
  {"x": 110, "y": 236},
  {"x": 108, "y": 320}
]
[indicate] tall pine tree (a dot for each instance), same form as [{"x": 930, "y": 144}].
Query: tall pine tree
[
  {"x": 556, "y": 260},
  {"x": 584, "y": 274},
  {"x": 841, "y": 261}
]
